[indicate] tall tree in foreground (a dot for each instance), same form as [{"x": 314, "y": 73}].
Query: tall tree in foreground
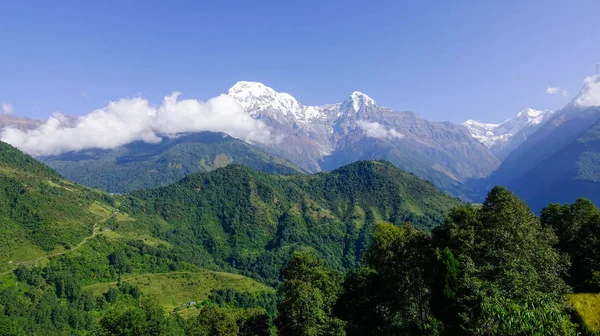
[
  {"x": 578, "y": 228},
  {"x": 309, "y": 293},
  {"x": 390, "y": 293},
  {"x": 511, "y": 277}
]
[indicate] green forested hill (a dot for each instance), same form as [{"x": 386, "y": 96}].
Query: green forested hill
[
  {"x": 69, "y": 259},
  {"x": 40, "y": 212},
  {"x": 254, "y": 221},
  {"x": 141, "y": 165},
  {"x": 174, "y": 260},
  {"x": 75, "y": 259}
]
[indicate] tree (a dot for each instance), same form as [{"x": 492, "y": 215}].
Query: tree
[
  {"x": 111, "y": 295},
  {"x": 146, "y": 318},
  {"x": 10, "y": 327},
  {"x": 509, "y": 269},
  {"x": 309, "y": 293},
  {"x": 391, "y": 292},
  {"x": 212, "y": 321},
  {"x": 577, "y": 226}
]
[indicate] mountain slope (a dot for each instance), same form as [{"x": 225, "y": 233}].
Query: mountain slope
[
  {"x": 41, "y": 213},
  {"x": 232, "y": 219},
  {"x": 569, "y": 173},
  {"x": 565, "y": 125},
  {"x": 62, "y": 244},
  {"x": 254, "y": 221},
  {"x": 556, "y": 163},
  {"x": 141, "y": 165},
  {"x": 505, "y": 137},
  {"x": 328, "y": 136}
]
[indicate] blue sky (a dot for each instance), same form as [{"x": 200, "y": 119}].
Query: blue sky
[{"x": 445, "y": 60}]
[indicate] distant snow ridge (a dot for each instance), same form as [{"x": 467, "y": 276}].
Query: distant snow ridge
[
  {"x": 493, "y": 134},
  {"x": 482, "y": 132},
  {"x": 256, "y": 97}
]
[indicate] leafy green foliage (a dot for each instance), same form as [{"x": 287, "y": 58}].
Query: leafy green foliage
[
  {"x": 391, "y": 292},
  {"x": 577, "y": 226},
  {"x": 145, "y": 318},
  {"x": 309, "y": 293},
  {"x": 228, "y": 297},
  {"x": 509, "y": 268},
  {"x": 215, "y": 321}
]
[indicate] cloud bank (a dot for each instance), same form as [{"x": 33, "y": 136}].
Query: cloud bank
[
  {"x": 590, "y": 93},
  {"x": 7, "y": 108},
  {"x": 128, "y": 120},
  {"x": 378, "y": 131},
  {"x": 553, "y": 91}
]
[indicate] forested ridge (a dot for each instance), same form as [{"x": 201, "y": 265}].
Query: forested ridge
[
  {"x": 141, "y": 165},
  {"x": 364, "y": 250}
]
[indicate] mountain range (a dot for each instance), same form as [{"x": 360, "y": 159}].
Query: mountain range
[
  {"x": 505, "y": 137},
  {"x": 71, "y": 255},
  {"x": 232, "y": 218},
  {"x": 538, "y": 154},
  {"x": 143, "y": 165},
  {"x": 558, "y": 162},
  {"x": 327, "y": 136},
  {"x": 311, "y": 138},
  {"x": 213, "y": 220}
]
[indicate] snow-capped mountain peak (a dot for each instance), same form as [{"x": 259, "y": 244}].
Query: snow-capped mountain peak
[
  {"x": 355, "y": 101},
  {"x": 589, "y": 95},
  {"x": 525, "y": 118},
  {"x": 255, "y": 96},
  {"x": 475, "y": 123},
  {"x": 498, "y": 136},
  {"x": 482, "y": 131}
]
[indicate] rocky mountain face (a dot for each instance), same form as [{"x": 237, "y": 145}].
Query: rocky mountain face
[
  {"x": 505, "y": 137},
  {"x": 7, "y": 120},
  {"x": 327, "y": 136},
  {"x": 560, "y": 161}
]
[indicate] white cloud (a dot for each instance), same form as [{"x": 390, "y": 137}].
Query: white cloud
[
  {"x": 127, "y": 120},
  {"x": 553, "y": 91},
  {"x": 379, "y": 131},
  {"x": 590, "y": 93},
  {"x": 7, "y": 108}
]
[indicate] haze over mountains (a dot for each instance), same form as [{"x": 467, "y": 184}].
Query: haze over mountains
[{"x": 131, "y": 144}]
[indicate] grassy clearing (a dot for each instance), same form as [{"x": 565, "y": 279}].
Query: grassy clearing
[
  {"x": 587, "y": 306},
  {"x": 98, "y": 209},
  {"x": 126, "y": 235},
  {"x": 25, "y": 253},
  {"x": 123, "y": 217},
  {"x": 177, "y": 288},
  {"x": 55, "y": 185}
]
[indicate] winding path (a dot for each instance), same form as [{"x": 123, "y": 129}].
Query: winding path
[{"x": 95, "y": 231}]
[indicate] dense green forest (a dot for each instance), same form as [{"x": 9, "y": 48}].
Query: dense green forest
[
  {"x": 364, "y": 250},
  {"x": 253, "y": 222}
]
